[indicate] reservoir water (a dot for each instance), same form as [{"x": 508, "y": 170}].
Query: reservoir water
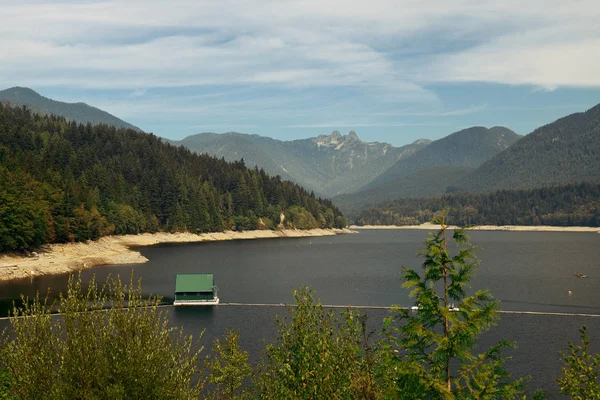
[{"x": 527, "y": 271}]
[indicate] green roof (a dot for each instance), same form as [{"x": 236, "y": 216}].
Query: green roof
[{"x": 194, "y": 283}]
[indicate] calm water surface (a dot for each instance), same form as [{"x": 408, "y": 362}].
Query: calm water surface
[{"x": 527, "y": 271}]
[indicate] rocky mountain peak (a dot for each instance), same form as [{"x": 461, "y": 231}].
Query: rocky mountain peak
[
  {"x": 335, "y": 135},
  {"x": 352, "y": 136},
  {"x": 337, "y": 140}
]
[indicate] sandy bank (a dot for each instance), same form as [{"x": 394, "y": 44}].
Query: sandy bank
[
  {"x": 65, "y": 258},
  {"x": 538, "y": 228}
]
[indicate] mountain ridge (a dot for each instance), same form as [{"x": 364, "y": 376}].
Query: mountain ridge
[
  {"x": 79, "y": 112},
  {"x": 435, "y": 166},
  {"x": 327, "y": 164},
  {"x": 565, "y": 151}
]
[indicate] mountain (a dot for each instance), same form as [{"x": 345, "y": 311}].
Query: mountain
[
  {"x": 564, "y": 152},
  {"x": 433, "y": 169},
  {"x": 78, "y": 112},
  {"x": 327, "y": 164}
]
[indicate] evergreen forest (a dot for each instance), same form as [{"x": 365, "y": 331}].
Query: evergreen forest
[
  {"x": 61, "y": 181},
  {"x": 569, "y": 205}
]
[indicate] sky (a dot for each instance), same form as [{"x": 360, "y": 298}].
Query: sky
[{"x": 393, "y": 71}]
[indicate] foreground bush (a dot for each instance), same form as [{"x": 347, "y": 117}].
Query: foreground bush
[
  {"x": 318, "y": 355},
  {"x": 4, "y": 384},
  {"x": 97, "y": 348}
]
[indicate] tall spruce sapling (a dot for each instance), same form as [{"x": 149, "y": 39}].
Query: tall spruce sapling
[
  {"x": 432, "y": 346},
  {"x": 230, "y": 371},
  {"x": 581, "y": 371}
]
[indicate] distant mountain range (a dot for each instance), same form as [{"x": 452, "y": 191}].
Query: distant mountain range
[
  {"x": 434, "y": 169},
  {"x": 327, "y": 164},
  {"x": 78, "y": 112},
  {"x": 358, "y": 173},
  {"x": 565, "y": 152}
]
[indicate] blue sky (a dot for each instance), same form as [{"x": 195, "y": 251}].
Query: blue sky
[{"x": 393, "y": 71}]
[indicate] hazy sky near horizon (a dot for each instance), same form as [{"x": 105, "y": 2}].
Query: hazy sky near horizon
[{"x": 393, "y": 71}]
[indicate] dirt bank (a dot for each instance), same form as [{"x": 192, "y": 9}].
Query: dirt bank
[
  {"x": 65, "y": 258},
  {"x": 538, "y": 228}
]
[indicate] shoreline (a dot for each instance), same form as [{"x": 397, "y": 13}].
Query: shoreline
[
  {"x": 513, "y": 228},
  {"x": 55, "y": 259}
]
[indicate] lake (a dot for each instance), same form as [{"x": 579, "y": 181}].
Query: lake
[{"x": 527, "y": 271}]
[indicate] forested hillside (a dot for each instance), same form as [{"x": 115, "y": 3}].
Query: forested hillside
[
  {"x": 560, "y": 206},
  {"x": 426, "y": 182},
  {"x": 469, "y": 147},
  {"x": 61, "y": 181},
  {"x": 78, "y": 112},
  {"x": 563, "y": 152}
]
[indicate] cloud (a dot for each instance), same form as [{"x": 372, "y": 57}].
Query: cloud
[
  {"x": 556, "y": 46},
  {"x": 295, "y": 61},
  {"x": 449, "y": 113},
  {"x": 147, "y": 43},
  {"x": 138, "y": 93},
  {"x": 174, "y": 44},
  {"x": 547, "y": 66},
  {"x": 464, "y": 111}
]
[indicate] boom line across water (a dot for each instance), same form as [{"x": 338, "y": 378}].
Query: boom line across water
[
  {"x": 405, "y": 308},
  {"x": 362, "y": 307}
]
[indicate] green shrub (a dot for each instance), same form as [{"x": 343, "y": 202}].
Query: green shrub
[
  {"x": 107, "y": 343},
  {"x": 299, "y": 218},
  {"x": 317, "y": 355}
]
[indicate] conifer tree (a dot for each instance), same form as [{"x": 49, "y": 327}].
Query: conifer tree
[
  {"x": 435, "y": 340},
  {"x": 581, "y": 373},
  {"x": 229, "y": 369}
]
